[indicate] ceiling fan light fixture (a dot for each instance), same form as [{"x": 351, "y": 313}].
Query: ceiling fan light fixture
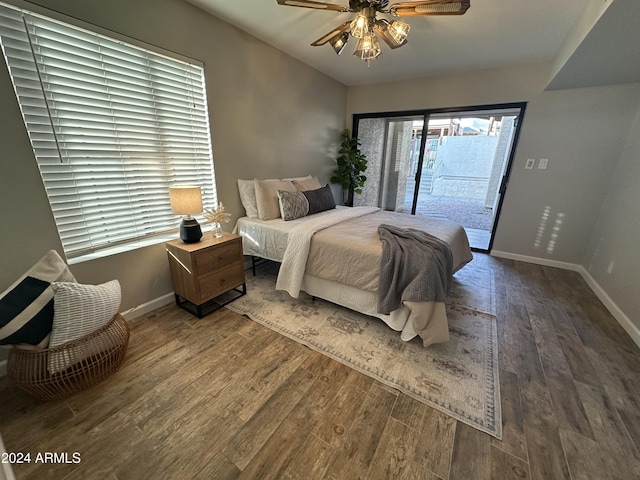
[
  {"x": 368, "y": 47},
  {"x": 339, "y": 42},
  {"x": 366, "y": 27},
  {"x": 359, "y": 26},
  {"x": 399, "y": 31},
  {"x": 394, "y": 36}
]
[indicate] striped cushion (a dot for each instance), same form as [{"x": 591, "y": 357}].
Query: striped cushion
[
  {"x": 292, "y": 205},
  {"x": 80, "y": 310},
  {"x": 26, "y": 307}
]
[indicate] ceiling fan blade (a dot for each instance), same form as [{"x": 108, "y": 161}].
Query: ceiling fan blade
[
  {"x": 314, "y": 4},
  {"x": 430, "y": 7},
  {"x": 333, "y": 33}
]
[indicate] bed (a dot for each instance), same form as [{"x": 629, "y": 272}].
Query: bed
[{"x": 335, "y": 255}]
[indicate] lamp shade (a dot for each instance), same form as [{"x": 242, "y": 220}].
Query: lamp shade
[
  {"x": 339, "y": 42},
  {"x": 185, "y": 200},
  {"x": 368, "y": 47}
]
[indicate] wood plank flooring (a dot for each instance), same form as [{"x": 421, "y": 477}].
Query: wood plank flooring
[{"x": 225, "y": 398}]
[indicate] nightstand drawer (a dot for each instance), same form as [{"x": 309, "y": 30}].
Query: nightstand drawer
[
  {"x": 216, "y": 258},
  {"x": 222, "y": 280}
]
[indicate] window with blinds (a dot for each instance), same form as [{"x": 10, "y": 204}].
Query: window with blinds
[{"x": 112, "y": 126}]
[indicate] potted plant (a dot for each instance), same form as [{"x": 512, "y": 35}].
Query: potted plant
[{"x": 351, "y": 165}]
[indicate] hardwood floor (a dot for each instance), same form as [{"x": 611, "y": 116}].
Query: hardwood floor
[{"x": 225, "y": 398}]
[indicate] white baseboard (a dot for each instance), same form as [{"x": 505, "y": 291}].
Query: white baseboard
[
  {"x": 127, "y": 314},
  {"x": 618, "y": 314},
  {"x": 538, "y": 261},
  {"x": 139, "y": 310}
]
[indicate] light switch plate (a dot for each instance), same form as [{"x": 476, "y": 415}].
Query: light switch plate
[
  {"x": 530, "y": 163},
  {"x": 543, "y": 163}
]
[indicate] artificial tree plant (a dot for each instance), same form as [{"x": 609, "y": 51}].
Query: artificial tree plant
[{"x": 351, "y": 165}]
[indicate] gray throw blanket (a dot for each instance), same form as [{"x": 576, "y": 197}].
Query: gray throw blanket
[{"x": 415, "y": 267}]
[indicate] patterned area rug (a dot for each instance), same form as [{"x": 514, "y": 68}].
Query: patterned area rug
[{"x": 458, "y": 378}]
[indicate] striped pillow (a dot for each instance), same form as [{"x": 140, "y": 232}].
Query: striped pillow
[
  {"x": 80, "y": 310},
  {"x": 26, "y": 307}
]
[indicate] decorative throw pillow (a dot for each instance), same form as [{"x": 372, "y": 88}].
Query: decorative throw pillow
[
  {"x": 303, "y": 185},
  {"x": 320, "y": 199},
  {"x": 299, "y": 204},
  {"x": 247, "y": 191},
  {"x": 80, "y": 310},
  {"x": 292, "y": 205},
  {"x": 26, "y": 307},
  {"x": 267, "y": 197}
]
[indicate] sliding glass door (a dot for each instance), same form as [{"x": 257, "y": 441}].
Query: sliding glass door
[{"x": 451, "y": 164}]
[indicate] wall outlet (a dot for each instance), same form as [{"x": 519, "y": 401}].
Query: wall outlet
[
  {"x": 530, "y": 163},
  {"x": 543, "y": 163}
]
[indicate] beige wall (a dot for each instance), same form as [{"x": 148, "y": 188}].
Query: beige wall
[
  {"x": 583, "y": 132},
  {"x": 271, "y": 116},
  {"x": 615, "y": 237}
]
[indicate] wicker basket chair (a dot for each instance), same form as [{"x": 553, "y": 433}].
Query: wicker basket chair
[{"x": 64, "y": 370}]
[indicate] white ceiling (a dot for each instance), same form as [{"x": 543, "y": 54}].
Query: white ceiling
[{"x": 491, "y": 33}]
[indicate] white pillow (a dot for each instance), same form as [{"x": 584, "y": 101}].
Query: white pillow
[
  {"x": 310, "y": 184},
  {"x": 247, "y": 191},
  {"x": 267, "y": 197},
  {"x": 306, "y": 177},
  {"x": 77, "y": 311}
]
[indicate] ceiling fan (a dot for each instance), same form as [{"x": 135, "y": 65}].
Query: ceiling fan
[{"x": 365, "y": 26}]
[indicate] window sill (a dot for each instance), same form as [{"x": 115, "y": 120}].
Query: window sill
[{"x": 125, "y": 247}]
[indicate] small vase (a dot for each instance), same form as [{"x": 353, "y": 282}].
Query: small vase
[{"x": 216, "y": 231}]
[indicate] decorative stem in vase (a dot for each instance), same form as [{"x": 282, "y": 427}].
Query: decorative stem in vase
[{"x": 216, "y": 216}]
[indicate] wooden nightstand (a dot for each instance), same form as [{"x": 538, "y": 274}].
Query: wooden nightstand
[{"x": 203, "y": 271}]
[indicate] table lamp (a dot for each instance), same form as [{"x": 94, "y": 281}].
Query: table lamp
[{"x": 187, "y": 200}]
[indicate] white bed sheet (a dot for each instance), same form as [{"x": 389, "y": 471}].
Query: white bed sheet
[{"x": 268, "y": 238}]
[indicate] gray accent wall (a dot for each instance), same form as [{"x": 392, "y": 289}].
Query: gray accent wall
[{"x": 584, "y": 207}]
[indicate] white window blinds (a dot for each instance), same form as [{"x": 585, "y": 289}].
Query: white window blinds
[{"x": 112, "y": 126}]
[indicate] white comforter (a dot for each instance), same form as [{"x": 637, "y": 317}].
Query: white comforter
[
  {"x": 294, "y": 262},
  {"x": 347, "y": 250}
]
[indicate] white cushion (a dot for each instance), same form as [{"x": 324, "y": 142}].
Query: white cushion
[
  {"x": 80, "y": 310},
  {"x": 267, "y": 197},
  {"x": 308, "y": 184},
  {"x": 247, "y": 191}
]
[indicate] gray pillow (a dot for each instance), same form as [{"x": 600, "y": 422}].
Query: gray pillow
[
  {"x": 299, "y": 204},
  {"x": 292, "y": 205},
  {"x": 320, "y": 199}
]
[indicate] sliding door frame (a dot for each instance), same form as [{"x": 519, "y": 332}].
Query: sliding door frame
[{"x": 426, "y": 114}]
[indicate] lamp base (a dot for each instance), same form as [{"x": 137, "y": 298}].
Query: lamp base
[{"x": 190, "y": 231}]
